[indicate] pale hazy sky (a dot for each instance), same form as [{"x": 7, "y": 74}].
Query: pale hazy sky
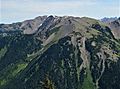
[{"x": 19, "y": 10}]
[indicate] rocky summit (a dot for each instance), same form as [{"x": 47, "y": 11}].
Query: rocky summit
[{"x": 53, "y": 52}]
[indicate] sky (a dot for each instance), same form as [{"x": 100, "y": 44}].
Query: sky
[{"x": 20, "y": 10}]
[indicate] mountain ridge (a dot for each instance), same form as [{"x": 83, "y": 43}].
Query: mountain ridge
[{"x": 31, "y": 26}]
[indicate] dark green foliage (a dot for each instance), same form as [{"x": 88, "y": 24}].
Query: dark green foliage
[
  {"x": 58, "y": 64},
  {"x": 18, "y": 45},
  {"x": 111, "y": 76}
]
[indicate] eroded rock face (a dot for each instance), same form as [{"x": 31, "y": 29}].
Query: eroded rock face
[
  {"x": 31, "y": 26},
  {"x": 64, "y": 53}
]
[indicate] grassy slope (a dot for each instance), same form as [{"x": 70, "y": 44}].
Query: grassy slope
[{"x": 88, "y": 82}]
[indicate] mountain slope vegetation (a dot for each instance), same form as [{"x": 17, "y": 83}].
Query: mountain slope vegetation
[{"x": 61, "y": 53}]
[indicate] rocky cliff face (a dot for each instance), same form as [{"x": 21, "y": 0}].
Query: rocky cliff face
[{"x": 63, "y": 53}]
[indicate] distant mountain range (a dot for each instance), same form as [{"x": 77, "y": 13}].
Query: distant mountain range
[
  {"x": 106, "y": 20},
  {"x": 52, "y": 52}
]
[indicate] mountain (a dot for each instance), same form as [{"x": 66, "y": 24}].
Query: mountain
[
  {"x": 115, "y": 26},
  {"x": 55, "y": 52},
  {"x": 27, "y": 26},
  {"x": 106, "y": 20}
]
